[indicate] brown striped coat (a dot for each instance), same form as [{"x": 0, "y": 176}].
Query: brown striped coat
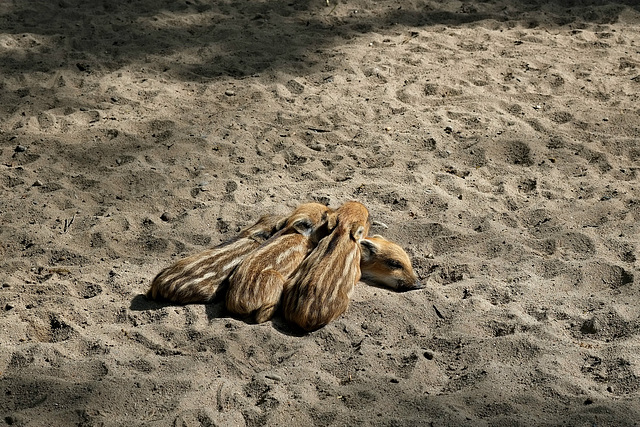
[
  {"x": 256, "y": 286},
  {"x": 319, "y": 291},
  {"x": 198, "y": 278}
]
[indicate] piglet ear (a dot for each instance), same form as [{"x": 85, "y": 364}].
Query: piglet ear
[
  {"x": 369, "y": 249},
  {"x": 303, "y": 226},
  {"x": 357, "y": 232},
  {"x": 332, "y": 221},
  {"x": 280, "y": 224}
]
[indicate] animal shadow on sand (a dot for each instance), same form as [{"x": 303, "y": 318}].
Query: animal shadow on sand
[{"x": 214, "y": 310}]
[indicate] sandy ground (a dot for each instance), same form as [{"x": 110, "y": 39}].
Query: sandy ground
[{"x": 499, "y": 140}]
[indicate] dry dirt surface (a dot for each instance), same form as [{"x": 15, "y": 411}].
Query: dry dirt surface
[{"x": 498, "y": 140}]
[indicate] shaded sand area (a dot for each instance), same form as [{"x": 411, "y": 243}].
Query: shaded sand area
[{"x": 498, "y": 140}]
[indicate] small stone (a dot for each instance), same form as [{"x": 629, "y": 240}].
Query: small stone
[
  {"x": 166, "y": 216},
  {"x": 428, "y": 355},
  {"x": 230, "y": 92},
  {"x": 37, "y": 183},
  {"x": 20, "y": 149},
  {"x": 9, "y": 307},
  {"x": 273, "y": 377}
]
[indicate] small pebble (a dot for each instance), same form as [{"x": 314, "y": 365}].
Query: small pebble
[
  {"x": 166, "y": 217},
  {"x": 229, "y": 92},
  {"x": 8, "y": 307},
  {"x": 428, "y": 355},
  {"x": 20, "y": 149},
  {"x": 273, "y": 377},
  {"x": 37, "y": 183}
]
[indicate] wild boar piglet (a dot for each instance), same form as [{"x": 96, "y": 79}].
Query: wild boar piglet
[
  {"x": 255, "y": 287},
  {"x": 198, "y": 278},
  {"x": 385, "y": 263},
  {"x": 319, "y": 291}
]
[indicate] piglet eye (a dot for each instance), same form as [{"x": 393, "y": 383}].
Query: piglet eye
[{"x": 394, "y": 264}]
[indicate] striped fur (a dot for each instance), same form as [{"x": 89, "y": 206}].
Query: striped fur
[
  {"x": 198, "y": 278},
  {"x": 384, "y": 263},
  {"x": 319, "y": 291},
  {"x": 256, "y": 286}
]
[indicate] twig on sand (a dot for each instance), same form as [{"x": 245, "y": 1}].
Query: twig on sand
[
  {"x": 380, "y": 224},
  {"x": 67, "y": 223},
  {"x": 333, "y": 8},
  {"x": 319, "y": 130}
]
